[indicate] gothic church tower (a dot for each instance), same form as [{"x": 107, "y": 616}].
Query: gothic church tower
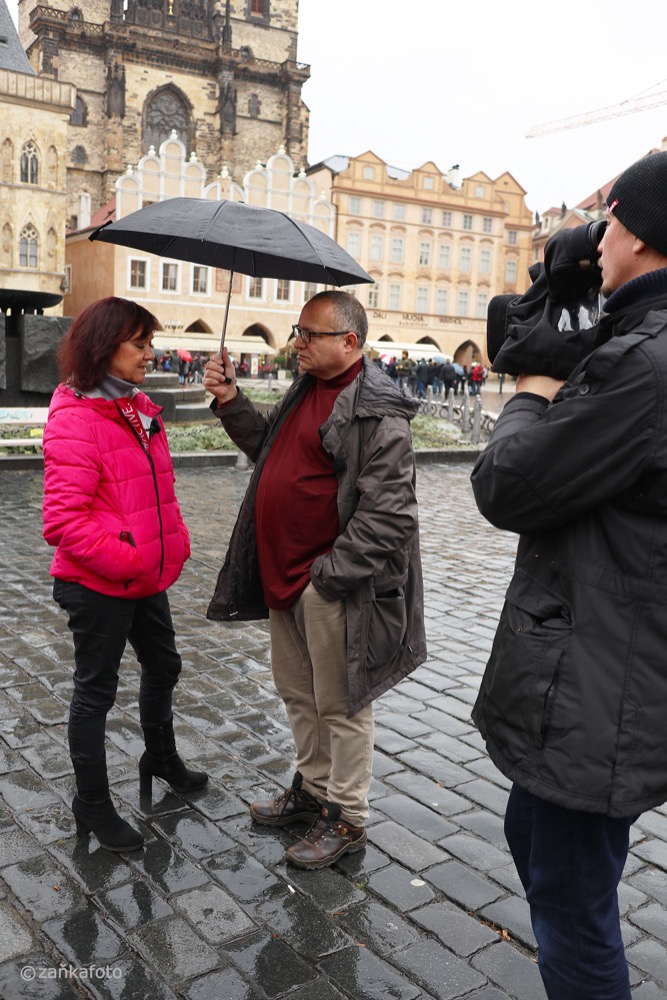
[{"x": 221, "y": 73}]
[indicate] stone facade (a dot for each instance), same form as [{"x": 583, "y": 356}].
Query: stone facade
[
  {"x": 439, "y": 248},
  {"x": 224, "y": 76},
  {"x": 35, "y": 114}
]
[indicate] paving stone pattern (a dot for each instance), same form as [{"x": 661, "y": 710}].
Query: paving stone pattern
[{"x": 208, "y": 909}]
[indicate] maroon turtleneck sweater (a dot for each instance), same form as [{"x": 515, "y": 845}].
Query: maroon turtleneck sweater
[{"x": 296, "y": 515}]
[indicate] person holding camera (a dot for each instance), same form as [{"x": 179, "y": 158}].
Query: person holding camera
[{"x": 573, "y": 701}]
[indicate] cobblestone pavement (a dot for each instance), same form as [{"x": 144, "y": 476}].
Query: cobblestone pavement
[{"x": 208, "y": 909}]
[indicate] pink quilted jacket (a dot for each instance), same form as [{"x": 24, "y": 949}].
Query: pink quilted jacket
[{"x": 109, "y": 506}]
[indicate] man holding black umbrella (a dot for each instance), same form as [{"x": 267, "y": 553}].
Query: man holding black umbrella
[{"x": 327, "y": 546}]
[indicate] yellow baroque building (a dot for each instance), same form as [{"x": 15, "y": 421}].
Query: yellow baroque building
[{"x": 439, "y": 248}]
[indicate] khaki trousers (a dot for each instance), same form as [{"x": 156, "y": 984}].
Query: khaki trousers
[{"x": 334, "y": 754}]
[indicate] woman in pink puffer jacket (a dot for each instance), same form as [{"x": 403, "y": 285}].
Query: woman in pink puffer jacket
[{"x": 111, "y": 512}]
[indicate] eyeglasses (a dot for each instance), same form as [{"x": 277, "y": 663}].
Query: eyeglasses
[{"x": 307, "y": 335}]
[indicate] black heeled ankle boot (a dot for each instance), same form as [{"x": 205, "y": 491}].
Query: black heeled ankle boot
[
  {"x": 98, "y": 814},
  {"x": 161, "y": 760}
]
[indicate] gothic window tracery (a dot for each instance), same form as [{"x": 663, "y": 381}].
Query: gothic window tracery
[
  {"x": 29, "y": 164},
  {"x": 166, "y": 111},
  {"x": 28, "y": 247}
]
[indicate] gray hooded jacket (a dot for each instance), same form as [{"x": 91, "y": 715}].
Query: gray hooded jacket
[{"x": 375, "y": 564}]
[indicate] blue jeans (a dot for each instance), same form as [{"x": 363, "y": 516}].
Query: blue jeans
[{"x": 570, "y": 864}]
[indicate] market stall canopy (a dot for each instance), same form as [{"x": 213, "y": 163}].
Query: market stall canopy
[
  {"x": 209, "y": 343},
  {"x": 417, "y": 352}
]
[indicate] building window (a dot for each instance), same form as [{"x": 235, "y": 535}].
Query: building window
[
  {"x": 79, "y": 155},
  {"x": 354, "y": 205},
  {"x": 282, "y": 290},
  {"x": 421, "y": 301},
  {"x": 395, "y": 297},
  {"x": 467, "y": 223},
  {"x": 397, "y": 249},
  {"x": 377, "y": 208},
  {"x": 309, "y": 289},
  {"x": 479, "y": 191},
  {"x": 445, "y": 256},
  {"x": 374, "y": 297},
  {"x": 510, "y": 272},
  {"x": 482, "y": 305},
  {"x": 255, "y": 288},
  {"x": 485, "y": 262},
  {"x": 170, "y": 277},
  {"x": 441, "y": 301},
  {"x": 166, "y": 111},
  {"x": 427, "y": 216},
  {"x": 428, "y": 184},
  {"x": 199, "y": 280},
  {"x": 368, "y": 173},
  {"x": 254, "y": 106},
  {"x": 29, "y": 164},
  {"x": 377, "y": 248},
  {"x": 28, "y": 247},
  {"x": 512, "y": 237},
  {"x": 447, "y": 220},
  {"x": 137, "y": 274},
  {"x": 465, "y": 261},
  {"x": 398, "y": 212},
  {"x": 462, "y": 304},
  {"x": 259, "y": 8},
  {"x": 354, "y": 245},
  {"x": 66, "y": 285},
  {"x": 424, "y": 257},
  {"x": 487, "y": 224},
  {"x": 78, "y": 116}
]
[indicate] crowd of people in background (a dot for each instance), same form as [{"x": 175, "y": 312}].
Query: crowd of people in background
[
  {"x": 415, "y": 377},
  {"x": 412, "y": 376}
]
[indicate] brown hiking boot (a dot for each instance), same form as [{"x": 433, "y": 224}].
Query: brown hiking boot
[
  {"x": 293, "y": 806},
  {"x": 327, "y": 840}
]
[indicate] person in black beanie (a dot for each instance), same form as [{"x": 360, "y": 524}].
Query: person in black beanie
[{"x": 573, "y": 701}]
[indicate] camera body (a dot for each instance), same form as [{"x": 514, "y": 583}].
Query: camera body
[{"x": 554, "y": 325}]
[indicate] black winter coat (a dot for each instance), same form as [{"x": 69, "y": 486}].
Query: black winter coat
[{"x": 573, "y": 703}]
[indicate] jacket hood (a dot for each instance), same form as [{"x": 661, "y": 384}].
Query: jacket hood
[{"x": 379, "y": 396}]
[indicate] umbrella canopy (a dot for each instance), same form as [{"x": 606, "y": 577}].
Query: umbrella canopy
[
  {"x": 234, "y": 236},
  {"x": 183, "y": 354}
]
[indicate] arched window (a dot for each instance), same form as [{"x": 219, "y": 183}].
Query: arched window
[
  {"x": 75, "y": 15},
  {"x": 166, "y": 111},
  {"x": 29, "y": 164},
  {"x": 78, "y": 116},
  {"x": 28, "y": 247},
  {"x": 79, "y": 155},
  {"x": 254, "y": 106}
]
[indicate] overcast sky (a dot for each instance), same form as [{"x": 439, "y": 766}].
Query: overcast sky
[
  {"x": 457, "y": 82},
  {"x": 462, "y": 82}
]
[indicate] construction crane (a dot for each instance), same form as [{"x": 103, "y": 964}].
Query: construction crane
[{"x": 628, "y": 107}]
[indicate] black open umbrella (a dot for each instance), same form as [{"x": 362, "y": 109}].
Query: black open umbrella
[{"x": 234, "y": 236}]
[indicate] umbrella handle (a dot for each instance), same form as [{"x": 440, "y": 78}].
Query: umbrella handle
[{"x": 228, "y": 381}]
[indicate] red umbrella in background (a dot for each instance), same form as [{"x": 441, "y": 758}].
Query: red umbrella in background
[{"x": 184, "y": 355}]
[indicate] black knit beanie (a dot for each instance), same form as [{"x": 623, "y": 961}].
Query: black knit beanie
[{"x": 638, "y": 199}]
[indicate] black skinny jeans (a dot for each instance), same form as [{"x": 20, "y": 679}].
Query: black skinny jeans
[{"x": 101, "y": 627}]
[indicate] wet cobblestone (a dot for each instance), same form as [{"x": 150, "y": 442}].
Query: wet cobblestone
[{"x": 208, "y": 910}]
